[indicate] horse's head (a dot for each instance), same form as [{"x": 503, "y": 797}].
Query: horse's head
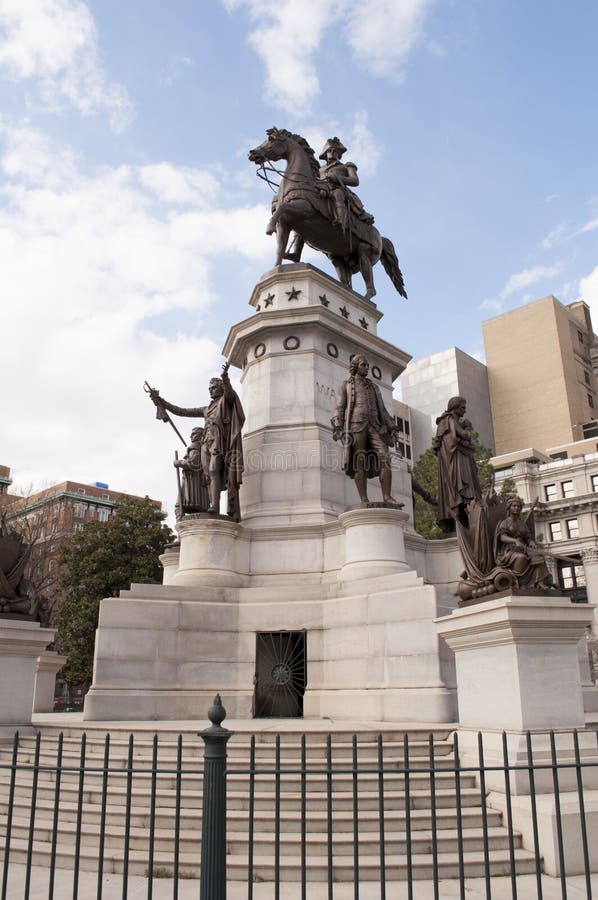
[{"x": 273, "y": 148}]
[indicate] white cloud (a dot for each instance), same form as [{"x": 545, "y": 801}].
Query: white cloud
[
  {"x": 286, "y": 38},
  {"x": 588, "y": 291},
  {"x": 592, "y": 225},
  {"x": 564, "y": 231},
  {"x": 364, "y": 148},
  {"x": 493, "y": 306},
  {"x": 180, "y": 185},
  {"x": 288, "y": 35},
  {"x": 527, "y": 277},
  {"x": 381, "y": 33},
  {"x": 175, "y": 69},
  {"x": 518, "y": 282},
  {"x": 559, "y": 233},
  {"x": 88, "y": 260},
  {"x": 54, "y": 43}
]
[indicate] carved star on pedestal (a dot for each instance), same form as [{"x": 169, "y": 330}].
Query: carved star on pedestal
[
  {"x": 293, "y": 293},
  {"x": 344, "y": 312},
  {"x": 269, "y": 300},
  {"x": 324, "y": 300},
  {"x": 363, "y": 323}
]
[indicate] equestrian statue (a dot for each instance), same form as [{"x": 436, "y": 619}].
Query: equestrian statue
[{"x": 317, "y": 203}]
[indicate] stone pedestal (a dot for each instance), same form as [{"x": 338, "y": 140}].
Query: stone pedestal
[
  {"x": 49, "y": 664},
  {"x": 517, "y": 665},
  {"x": 517, "y": 662},
  {"x": 374, "y": 542},
  {"x": 21, "y": 643},
  {"x": 211, "y": 552},
  {"x": 590, "y": 566},
  {"x": 294, "y": 353},
  {"x": 302, "y": 559}
]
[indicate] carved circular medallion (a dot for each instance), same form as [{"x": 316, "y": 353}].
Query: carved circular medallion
[
  {"x": 376, "y": 373},
  {"x": 259, "y": 350},
  {"x": 332, "y": 350},
  {"x": 291, "y": 342},
  {"x": 281, "y": 674}
]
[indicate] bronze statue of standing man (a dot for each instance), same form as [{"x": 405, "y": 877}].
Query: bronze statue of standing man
[
  {"x": 366, "y": 429},
  {"x": 221, "y": 447}
]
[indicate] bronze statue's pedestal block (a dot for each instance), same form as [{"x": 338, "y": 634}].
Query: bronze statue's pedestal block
[
  {"x": 49, "y": 663},
  {"x": 517, "y": 662},
  {"x": 374, "y": 542},
  {"x": 518, "y": 680},
  {"x": 21, "y": 643},
  {"x": 211, "y": 552}
]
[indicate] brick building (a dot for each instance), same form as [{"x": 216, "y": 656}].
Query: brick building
[{"x": 51, "y": 517}]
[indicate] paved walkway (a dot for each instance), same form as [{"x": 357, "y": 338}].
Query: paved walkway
[
  {"x": 239, "y": 726},
  {"x": 189, "y": 889}
]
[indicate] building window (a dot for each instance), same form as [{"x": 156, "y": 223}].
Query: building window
[
  {"x": 81, "y": 491},
  {"x": 80, "y": 510},
  {"x": 567, "y": 489},
  {"x": 550, "y": 491},
  {"x": 595, "y": 483},
  {"x": 572, "y": 528},
  {"x": 586, "y": 376},
  {"x": 79, "y": 526},
  {"x": 408, "y": 451},
  {"x": 562, "y": 454},
  {"x": 406, "y": 426},
  {"x": 571, "y": 577},
  {"x": 504, "y": 473},
  {"x": 590, "y": 429},
  {"x": 556, "y": 533},
  {"x": 400, "y": 423},
  {"x": 590, "y": 401},
  {"x": 103, "y": 515},
  {"x": 401, "y": 447}
]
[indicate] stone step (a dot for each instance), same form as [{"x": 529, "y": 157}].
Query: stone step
[
  {"x": 290, "y": 820},
  {"x": 239, "y": 799},
  {"x": 396, "y": 868},
  {"x": 243, "y": 731},
  {"x": 71, "y": 746},
  {"x": 290, "y": 782},
  {"x": 289, "y": 867},
  {"x": 265, "y": 757},
  {"x": 264, "y": 841}
]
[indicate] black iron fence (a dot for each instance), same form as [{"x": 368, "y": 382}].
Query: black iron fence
[{"x": 309, "y": 815}]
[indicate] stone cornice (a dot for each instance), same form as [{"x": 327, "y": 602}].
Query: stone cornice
[
  {"x": 276, "y": 320},
  {"x": 515, "y": 620}
]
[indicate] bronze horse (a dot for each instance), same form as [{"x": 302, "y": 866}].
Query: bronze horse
[{"x": 301, "y": 205}]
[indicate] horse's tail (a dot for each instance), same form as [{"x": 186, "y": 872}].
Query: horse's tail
[{"x": 391, "y": 266}]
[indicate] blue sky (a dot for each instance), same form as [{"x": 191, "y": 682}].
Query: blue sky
[{"x": 132, "y": 224}]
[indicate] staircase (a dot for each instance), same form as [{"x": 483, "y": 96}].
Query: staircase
[{"x": 329, "y": 810}]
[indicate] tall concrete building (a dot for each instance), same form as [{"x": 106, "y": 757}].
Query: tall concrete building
[
  {"x": 543, "y": 389},
  {"x": 428, "y": 383}
]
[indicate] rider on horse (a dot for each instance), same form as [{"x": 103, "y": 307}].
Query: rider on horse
[{"x": 339, "y": 177}]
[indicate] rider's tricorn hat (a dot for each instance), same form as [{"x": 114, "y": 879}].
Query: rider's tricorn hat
[{"x": 333, "y": 143}]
